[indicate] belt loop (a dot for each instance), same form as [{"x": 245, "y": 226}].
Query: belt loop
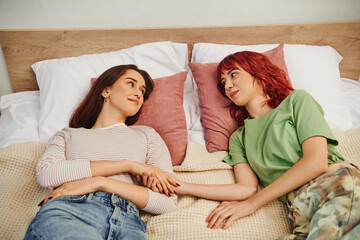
[
  {"x": 90, "y": 195},
  {"x": 113, "y": 198}
]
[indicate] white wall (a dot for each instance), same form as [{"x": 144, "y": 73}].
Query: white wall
[{"x": 40, "y": 14}]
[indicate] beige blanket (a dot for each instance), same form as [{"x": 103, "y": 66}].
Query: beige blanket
[{"x": 20, "y": 195}]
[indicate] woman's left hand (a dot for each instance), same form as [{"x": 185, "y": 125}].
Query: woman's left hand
[
  {"x": 232, "y": 210},
  {"x": 149, "y": 182},
  {"x": 74, "y": 188},
  {"x": 152, "y": 183},
  {"x": 153, "y": 177}
]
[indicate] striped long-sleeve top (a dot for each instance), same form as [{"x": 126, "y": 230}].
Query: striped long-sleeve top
[{"x": 68, "y": 154}]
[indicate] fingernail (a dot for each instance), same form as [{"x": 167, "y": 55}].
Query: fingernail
[
  {"x": 178, "y": 184},
  {"x": 50, "y": 198},
  {"x": 41, "y": 203}
]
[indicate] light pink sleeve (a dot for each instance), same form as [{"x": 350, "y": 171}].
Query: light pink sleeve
[
  {"x": 53, "y": 169},
  {"x": 158, "y": 155}
]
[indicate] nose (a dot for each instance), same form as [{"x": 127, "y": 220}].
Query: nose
[
  {"x": 228, "y": 85},
  {"x": 137, "y": 93}
]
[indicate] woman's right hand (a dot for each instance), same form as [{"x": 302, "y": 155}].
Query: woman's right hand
[
  {"x": 75, "y": 188},
  {"x": 230, "y": 211},
  {"x": 153, "y": 177}
]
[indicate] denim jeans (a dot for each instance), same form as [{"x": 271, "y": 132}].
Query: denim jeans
[{"x": 96, "y": 215}]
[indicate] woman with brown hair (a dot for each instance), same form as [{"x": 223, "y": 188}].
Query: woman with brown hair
[{"x": 93, "y": 165}]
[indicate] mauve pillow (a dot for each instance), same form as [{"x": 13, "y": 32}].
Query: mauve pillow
[
  {"x": 214, "y": 107},
  {"x": 164, "y": 112}
]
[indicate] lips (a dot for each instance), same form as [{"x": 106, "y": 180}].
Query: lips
[
  {"x": 233, "y": 94},
  {"x": 134, "y": 100}
]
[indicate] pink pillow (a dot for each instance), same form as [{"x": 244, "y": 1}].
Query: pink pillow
[
  {"x": 214, "y": 107},
  {"x": 164, "y": 112}
]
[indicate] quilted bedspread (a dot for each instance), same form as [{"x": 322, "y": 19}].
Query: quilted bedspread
[{"x": 20, "y": 194}]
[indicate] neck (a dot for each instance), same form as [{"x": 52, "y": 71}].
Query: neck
[
  {"x": 107, "y": 118},
  {"x": 261, "y": 111},
  {"x": 257, "y": 108},
  {"x": 103, "y": 124}
]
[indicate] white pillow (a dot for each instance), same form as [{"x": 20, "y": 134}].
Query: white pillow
[
  {"x": 64, "y": 82},
  {"x": 5, "y": 83},
  {"x": 190, "y": 101},
  {"x": 312, "y": 68},
  {"x": 351, "y": 93},
  {"x": 19, "y": 118}
]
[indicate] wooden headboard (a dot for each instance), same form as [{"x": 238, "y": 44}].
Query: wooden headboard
[{"x": 25, "y": 47}]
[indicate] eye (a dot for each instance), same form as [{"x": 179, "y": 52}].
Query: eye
[
  {"x": 142, "y": 92},
  {"x": 131, "y": 83},
  {"x": 223, "y": 82},
  {"x": 233, "y": 74}
]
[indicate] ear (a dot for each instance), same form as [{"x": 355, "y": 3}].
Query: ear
[{"x": 106, "y": 92}]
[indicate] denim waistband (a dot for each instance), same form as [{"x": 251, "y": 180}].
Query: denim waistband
[{"x": 113, "y": 199}]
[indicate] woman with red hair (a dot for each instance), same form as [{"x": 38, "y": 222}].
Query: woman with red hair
[{"x": 283, "y": 141}]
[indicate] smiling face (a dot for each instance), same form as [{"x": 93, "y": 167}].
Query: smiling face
[
  {"x": 240, "y": 86},
  {"x": 126, "y": 95}
]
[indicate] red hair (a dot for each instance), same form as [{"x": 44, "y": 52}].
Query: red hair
[
  {"x": 273, "y": 80},
  {"x": 88, "y": 111}
]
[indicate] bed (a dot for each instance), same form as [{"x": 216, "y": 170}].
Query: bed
[{"x": 51, "y": 70}]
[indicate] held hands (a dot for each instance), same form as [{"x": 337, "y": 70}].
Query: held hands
[
  {"x": 232, "y": 210},
  {"x": 154, "y": 178}
]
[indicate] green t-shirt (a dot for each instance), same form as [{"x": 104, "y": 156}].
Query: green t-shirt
[{"x": 271, "y": 144}]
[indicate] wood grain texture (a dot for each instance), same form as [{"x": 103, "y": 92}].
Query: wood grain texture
[{"x": 25, "y": 47}]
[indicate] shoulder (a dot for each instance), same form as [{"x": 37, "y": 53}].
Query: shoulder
[
  {"x": 63, "y": 132},
  {"x": 299, "y": 100},
  {"x": 67, "y": 132},
  {"x": 71, "y": 131},
  {"x": 300, "y": 95},
  {"x": 237, "y": 136},
  {"x": 302, "y": 99}
]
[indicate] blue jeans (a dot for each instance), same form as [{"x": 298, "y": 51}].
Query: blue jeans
[{"x": 96, "y": 215}]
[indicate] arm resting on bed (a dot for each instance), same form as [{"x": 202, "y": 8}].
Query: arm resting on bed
[{"x": 245, "y": 186}]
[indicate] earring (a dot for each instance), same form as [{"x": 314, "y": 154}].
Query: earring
[{"x": 106, "y": 99}]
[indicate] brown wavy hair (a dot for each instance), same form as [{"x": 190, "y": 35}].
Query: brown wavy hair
[
  {"x": 89, "y": 109},
  {"x": 272, "y": 79}
]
